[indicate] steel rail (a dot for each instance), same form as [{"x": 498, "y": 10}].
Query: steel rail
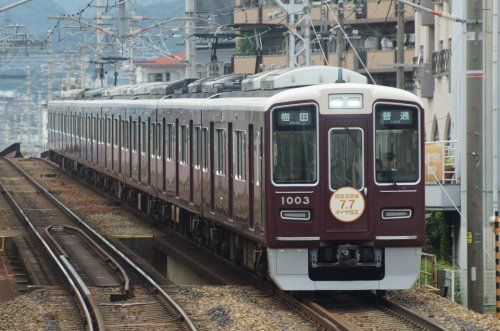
[
  {"x": 411, "y": 315},
  {"x": 108, "y": 258},
  {"x": 53, "y": 256},
  {"x": 131, "y": 264}
]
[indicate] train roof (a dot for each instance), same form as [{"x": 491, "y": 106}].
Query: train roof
[
  {"x": 262, "y": 84},
  {"x": 316, "y": 93}
]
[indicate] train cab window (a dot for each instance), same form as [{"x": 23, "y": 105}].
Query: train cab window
[
  {"x": 240, "y": 154},
  {"x": 295, "y": 145},
  {"x": 397, "y": 149},
  {"x": 197, "y": 147},
  {"x": 206, "y": 144},
  {"x": 346, "y": 158},
  {"x": 220, "y": 145},
  {"x": 144, "y": 137},
  {"x": 170, "y": 141}
]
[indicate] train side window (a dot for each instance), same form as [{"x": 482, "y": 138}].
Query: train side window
[
  {"x": 109, "y": 135},
  {"x": 206, "y": 144},
  {"x": 346, "y": 147},
  {"x": 95, "y": 129},
  {"x": 159, "y": 139},
  {"x": 240, "y": 154},
  {"x": 260, "y": 158},
  {"x": 116, "y": 132},
  {"x": 133, "y": 136},
  {"x": 144, "y": 137},
  {"x": 220, "y": 144},
  {"x": 152, "y": 128},
  {"x": 170, "y": 142},
  {"x": 183, "y": 144},
  {"x": 197, "y": 147}
]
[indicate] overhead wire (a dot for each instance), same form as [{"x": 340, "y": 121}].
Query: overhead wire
[{"x": 341, "y": 28}]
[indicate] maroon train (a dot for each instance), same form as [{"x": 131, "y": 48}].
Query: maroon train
[{"x": 320, "y": 186}]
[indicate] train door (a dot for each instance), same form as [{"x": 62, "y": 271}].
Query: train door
[
  {"x": 230, "y": 173},
  {"x": 346, "y": 177}
]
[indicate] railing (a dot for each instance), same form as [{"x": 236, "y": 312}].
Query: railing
[
  {"x": 441, "y": 162},
  {"x": 428, "y": 273}
]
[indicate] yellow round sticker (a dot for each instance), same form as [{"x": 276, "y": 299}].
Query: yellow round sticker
[{"x": 347, "y": 204}]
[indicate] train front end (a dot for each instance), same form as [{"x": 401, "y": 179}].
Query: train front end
[{"x": 344, "y": 189}]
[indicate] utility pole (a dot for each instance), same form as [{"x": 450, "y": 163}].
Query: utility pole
[
  {"x": 400, "y": 52},
  {"x": 49, "y": 66},
  {"x": 325, "y": 33},
  {"x": 190, "y": 45},
  {"x": 100, "y": 43},
  {"x": 474, "y": 159},
  {"x": 299, "y": 34},
  {"x": 340, "y": 35}
]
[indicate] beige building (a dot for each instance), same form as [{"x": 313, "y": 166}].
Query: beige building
[
  {"x": 371, "y": 26},
  {"x": 433, "y": 49}
]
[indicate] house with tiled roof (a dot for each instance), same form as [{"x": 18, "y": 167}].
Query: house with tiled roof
[{"x": 161, "y": 69}]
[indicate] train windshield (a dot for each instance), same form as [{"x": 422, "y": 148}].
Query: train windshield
[
  {"x": 397, "y": 149},
  {"x": 346, "y": 158},
  {"x": 294, "y": 145}
]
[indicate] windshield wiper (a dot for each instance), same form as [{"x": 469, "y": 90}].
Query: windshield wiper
[{"x": 391, "y": 178}]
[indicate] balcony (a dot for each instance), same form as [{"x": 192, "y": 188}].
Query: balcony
[
  {"x": 249, "y": 12},
  {"x": 442, "y": 178},
  {"x": 245, "y": 64},
  {"x": 376, "y": 12},
  {"x": 441, "y": 63},
  {"x": 377, "y": 61}
]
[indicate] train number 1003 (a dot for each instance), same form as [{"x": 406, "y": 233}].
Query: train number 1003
[{"x": 295, "y": 200}]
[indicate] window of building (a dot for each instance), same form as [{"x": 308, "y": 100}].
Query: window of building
[
  {"x": 240, "y": 154},
  {"x": 155, "y": 77},
  {"x": 167, "y": 76}
]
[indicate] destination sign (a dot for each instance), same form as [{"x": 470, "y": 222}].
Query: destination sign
[
  {"x": 395, "y": 116},
  {"x": 287, "y": 117}
]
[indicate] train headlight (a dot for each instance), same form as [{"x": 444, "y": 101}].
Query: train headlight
[{"x": 345, "y": 101}]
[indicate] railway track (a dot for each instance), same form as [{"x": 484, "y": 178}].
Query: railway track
[
  {"x": 351, "y": 311},
  {"x": 368, "y": 313},
  {"x": 110, "y": 294}
]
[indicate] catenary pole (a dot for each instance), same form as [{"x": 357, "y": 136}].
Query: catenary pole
[
  {"x": 400, "y": 52},
  {"x": 474, "y": 155}
]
